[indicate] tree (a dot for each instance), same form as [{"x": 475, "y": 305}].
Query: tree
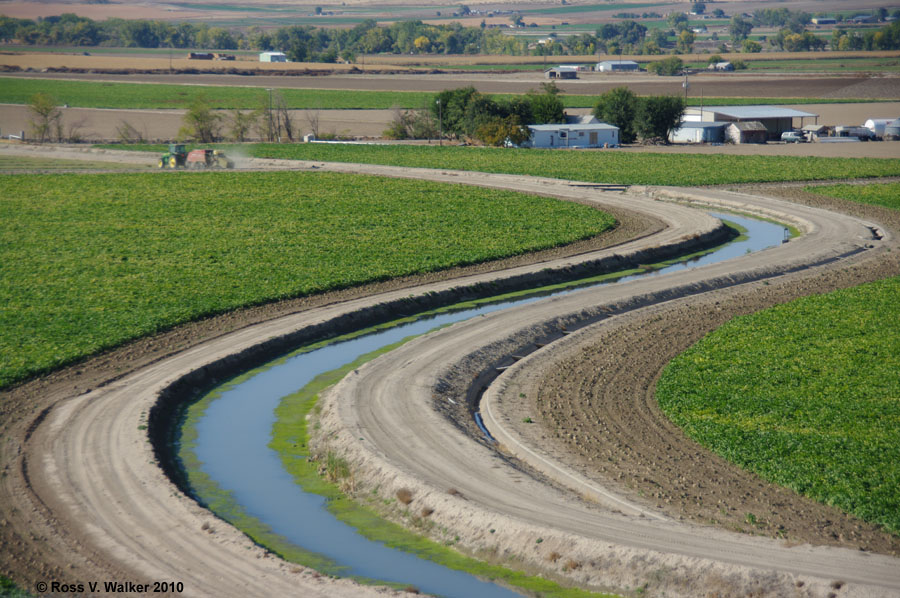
[
  {"x": 718, "y": 13},
  {"x": 500, "y": 131},
  {"x": 667, "y": 66},
  {"x": 751, "y": 47},
  {"x": 698, "y": 8},
  {"x": 618, "y": 107},
  {"x": 46, "y": 118},
  {"x": 241, "y": 123},
  {"x": 200, "y": 122},
  {"x": 685, "y": 41},
  {"x": 658, "y": 116},
  {"x": 678, "y": 21},
  {"x": 546, "y": 107},
  {"x": 739, "y": 28}
]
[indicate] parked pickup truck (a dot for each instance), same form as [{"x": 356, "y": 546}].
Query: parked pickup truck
[{"x": 793, "y": 137}]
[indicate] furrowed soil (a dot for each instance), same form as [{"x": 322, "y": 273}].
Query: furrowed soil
[{"x": 634, "y": 448}]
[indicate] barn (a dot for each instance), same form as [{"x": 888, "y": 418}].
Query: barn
[
  {"x": 775, "y": 119},
  {"x": 561, "y": 72},
  {"x": 574, "y": 135},
  {"x": 617, "y": 66}
]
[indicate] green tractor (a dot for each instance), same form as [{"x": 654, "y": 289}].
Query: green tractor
[{"x": 175, "y": 158}]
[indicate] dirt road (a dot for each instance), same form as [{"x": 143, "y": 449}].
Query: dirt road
[
  {"x": 387, "y": 416},
  {"x": 83, "y": 498}
]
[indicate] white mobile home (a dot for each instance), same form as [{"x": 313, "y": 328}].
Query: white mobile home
[
  {"x": 272, "y": 57},
  {"x": 574, "y": 135}
]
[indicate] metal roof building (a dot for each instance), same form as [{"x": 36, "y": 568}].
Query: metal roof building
[
  {"x": 775, "y": 118},
  {"x": 610, "y": 66}
]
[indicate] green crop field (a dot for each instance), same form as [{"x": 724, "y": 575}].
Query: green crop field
[
  {"x": 886, "y": 194},
  {"x": 90, "y": 261},
  {"x": 613, "y": 166},
  {"x": 146, "y": 96},
  {"x": 91, "y": 94},
  {"x": 805, "y": 395},
  {"x": 596, "y": 166}
]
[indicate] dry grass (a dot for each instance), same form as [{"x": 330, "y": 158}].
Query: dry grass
[{"x": 427, "y": 511}]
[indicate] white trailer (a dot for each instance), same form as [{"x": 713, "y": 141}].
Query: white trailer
[{"x": 272, "y": 57}]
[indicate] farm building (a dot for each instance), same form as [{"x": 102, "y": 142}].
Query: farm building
[
  {"x": 699, "y": 132},
  {"x": 721, "y": 66},
  {"x": 617, "y": 66},
  {"x": 750, "y": 131},
  {"x": 272, "y": 57},
  {"x": 824, "y": 21},
  {"x": 775, "y": 119},
  {"x": 574, "y": 135},
  {"x": 561, "y": 72},
  {"x": 200, "y": 56}
]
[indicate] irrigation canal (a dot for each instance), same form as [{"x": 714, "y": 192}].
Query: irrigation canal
[{"x": 233, "y": 435}]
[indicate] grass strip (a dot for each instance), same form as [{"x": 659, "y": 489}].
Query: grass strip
[
  {"x": 93, "y": 260},
  {"x": 148, "y": 96}
]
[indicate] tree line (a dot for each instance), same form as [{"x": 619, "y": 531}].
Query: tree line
[
  {"x": 467, "y": 114},
  {"x": 310, "y": 44}
]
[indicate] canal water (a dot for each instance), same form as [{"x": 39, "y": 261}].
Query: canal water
[{"x": 233, "y": 435}]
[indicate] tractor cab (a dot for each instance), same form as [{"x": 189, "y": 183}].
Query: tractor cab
[{"x": 175, "y": 158}]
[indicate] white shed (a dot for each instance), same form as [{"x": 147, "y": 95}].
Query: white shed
[
  {"x": 617, "y": 66},
  {"x": 699, "y": 132},
  {"x": 272, "y": 57},
  {"x": 574, "y": 135}
]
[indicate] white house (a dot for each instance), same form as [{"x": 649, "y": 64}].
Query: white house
[
  {"x": 272, "y": 57},
  {"x": 574, "y": 135}
]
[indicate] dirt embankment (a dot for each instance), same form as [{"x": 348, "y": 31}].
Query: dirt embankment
[{"x": 633, "y": 447}]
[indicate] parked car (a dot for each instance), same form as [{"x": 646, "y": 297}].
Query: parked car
[{"x": 793, "y": 137}]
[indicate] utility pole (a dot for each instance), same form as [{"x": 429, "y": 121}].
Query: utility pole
[
  {"x": 269, "y": 116},
  {"x": 440, "y": 123}
]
